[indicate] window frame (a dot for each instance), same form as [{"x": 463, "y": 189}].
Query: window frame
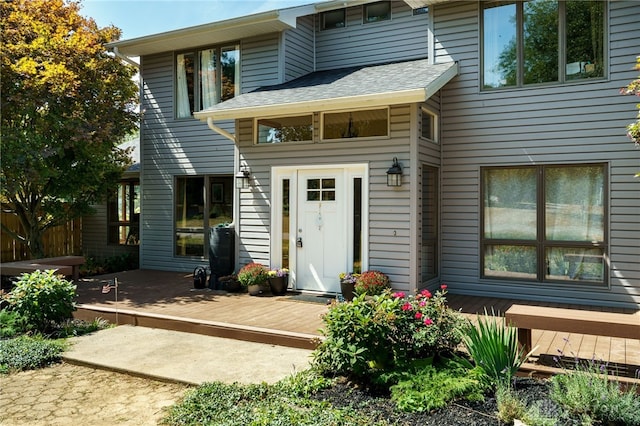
[
  {"x": 116, "y": 224},
  {"x": 322, "y": 125},
  {"x": 256, "y": 130},
  {"x": 435, "y": 128},
  {"x": 540, "y": 242},
  {"x": 197, "y": 80},
  {"x": 562, "y": 50},
  {"x": 365, "y": 12},
  {"x": 323, "y": 26}
]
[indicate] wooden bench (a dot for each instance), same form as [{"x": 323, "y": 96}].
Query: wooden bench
[
  {"x": 526, "y": 318},
  {"x": 65, "y": 265}
]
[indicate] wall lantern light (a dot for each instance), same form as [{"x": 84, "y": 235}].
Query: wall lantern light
[
  {"x": 394, "y": 174},
  {"x": 243, "y": 177}
]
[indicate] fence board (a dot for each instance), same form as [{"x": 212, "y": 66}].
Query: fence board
[{"x": 61, "y": 240}]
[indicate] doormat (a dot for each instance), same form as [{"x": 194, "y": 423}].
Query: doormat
[{"x": 311, "y": 298}]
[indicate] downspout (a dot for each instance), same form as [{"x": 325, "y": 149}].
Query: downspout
[{"x": 220, "y": 131}]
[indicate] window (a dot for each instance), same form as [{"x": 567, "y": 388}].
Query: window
[
  {"x": 123, "y": 214},
  {"x": 542, "y": 41},
  {"x": 321, "y": 190},
  {"x": 356, "y": 124},
  {"x": 430, "y": 209},
  {"x": 545, "y": 223},
  {"x": 201, "y": 202},
  {"x": 428, "y": 125},
  {"x": 380, "y": 11},
  {"x": 206, "y": 77},
  {"x": 333, "y": 19},
  {"x": 285, "y": 129}
]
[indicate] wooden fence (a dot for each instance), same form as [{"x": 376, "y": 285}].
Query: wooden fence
[{"x": 58, "y": 241}]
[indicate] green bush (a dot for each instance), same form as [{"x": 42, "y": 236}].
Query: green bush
[
  {"x": 433, "y": 387},
  {"x": 494, "y": 348},
  {"x": 588, "y": 393},
  {"x": 42, "y": 299},
  {"x": 11, "y": 323},
  {"x": 370, "y": 336},
  {"x": 28, "y": 353}
]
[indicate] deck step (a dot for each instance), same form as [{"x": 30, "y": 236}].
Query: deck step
[{"x": 189, "y": 325}]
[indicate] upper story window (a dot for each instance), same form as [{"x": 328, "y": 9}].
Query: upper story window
[
  {"x": 374, "y": 12},
  {"x": 333, "y": 19},
  {"x": 284, "y": 129},
  {"x": 542, "y": 41},
  {"x": 428, "y": 125},
  {"x": 355, "y": 124},
  {"x": 206, "y": 77}
]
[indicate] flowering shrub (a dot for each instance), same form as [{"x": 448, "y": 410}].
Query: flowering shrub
[
  {"x": 371, "y": 283},
  {"x": 253, "y": 274},
  {"x": 368, "y": 337},
  {"x": 349, "y": 277},
  {"x": 278, "y": 272}
]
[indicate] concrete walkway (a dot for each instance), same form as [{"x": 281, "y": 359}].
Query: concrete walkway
[{"x": 185, "y": 357}]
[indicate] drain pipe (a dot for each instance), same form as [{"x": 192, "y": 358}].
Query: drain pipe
[
  {"x": 125, "y": 58},
  {"x": 220, "y": 131}
]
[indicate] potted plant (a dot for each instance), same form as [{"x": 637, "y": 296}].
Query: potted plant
[
  {"x": 372, "y": 283},
  {"x": 230, "y": 283},
  {"x": 253, "y": 276},
  {"x": 347, "y": 284},
  {"x": 278, "y": 280}
]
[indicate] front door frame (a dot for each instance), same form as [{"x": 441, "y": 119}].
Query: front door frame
[{"x": 350, "y": 172}]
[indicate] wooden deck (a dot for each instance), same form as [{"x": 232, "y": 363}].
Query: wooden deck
[{"x": 168, "y": 300}]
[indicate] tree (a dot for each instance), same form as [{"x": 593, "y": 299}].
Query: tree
[
  {"x": 66, "y": 105},
  {"x": 633, "y": 129}
]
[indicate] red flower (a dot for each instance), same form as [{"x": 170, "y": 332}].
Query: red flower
[
  {"x": 418, "y": 315},
  {"x": 428, "y": 321},
  {"x": 399, "y": 295},
  {"x": 406, "y": 306},
  {"x": 422, "y": 303},
  {"x": 443, "y": 286},
  {"x": 426, "y": 293}
]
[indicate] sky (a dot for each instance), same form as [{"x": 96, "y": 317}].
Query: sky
[{"x": 137, "y": 18}]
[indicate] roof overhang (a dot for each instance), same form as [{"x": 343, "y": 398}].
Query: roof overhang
[
  {"x": 213, "y": 33},
  {"x": 358, "y": 88}
]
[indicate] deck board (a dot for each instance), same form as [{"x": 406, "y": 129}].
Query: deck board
[{"x": 172, "y": 293}]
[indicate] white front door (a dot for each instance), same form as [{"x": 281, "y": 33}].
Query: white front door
[{"x": 321, "y": 234}]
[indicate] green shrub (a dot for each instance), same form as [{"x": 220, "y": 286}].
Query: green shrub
[
  {"x": 28, "y": 353},
  {"x": 74, "y": 327},
  {"x": 370, "y": 336},
  {"x": 433, "y": 387},
  {"x": 233, "y": 404},
  {"x": 494, "y": 348},
  {"x": 588, "y": 392},
  {"x": 11, "y": 323},
  {"x": 42, "y": 299}
]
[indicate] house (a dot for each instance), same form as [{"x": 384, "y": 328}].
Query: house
[{"x": 475, "y": 143}]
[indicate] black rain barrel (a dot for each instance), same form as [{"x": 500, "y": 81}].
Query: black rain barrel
[{"x": 221, "y": 252}]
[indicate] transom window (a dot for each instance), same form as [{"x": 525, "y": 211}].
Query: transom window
[
  {"x": 206, "y": 77},
  {"x": 284, "y": 129},
  {"x": 374, "y": 12},
  {"x": 321, "y": 190},
  {"x": 545, "y": 223},
  {"x": 542, "y": 41},
  {"x": 355, "y": 124}
]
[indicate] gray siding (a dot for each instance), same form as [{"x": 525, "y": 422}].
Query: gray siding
[
  {"x": 582, "y": 122},
  {"x": 94, "y": 237},
  {"x": 299, "y": 49},
  {"x": 389, "y": 208},
  {"x": 403, "y": 37}
]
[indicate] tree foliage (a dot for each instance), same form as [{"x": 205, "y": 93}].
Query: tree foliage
[
  {"x": 633, "y": 88},
  {"x": 66, "y": 105}
]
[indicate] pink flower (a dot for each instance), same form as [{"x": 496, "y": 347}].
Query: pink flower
[
  {"x": 422, "y": 303},
  {"x": 426, "y": 293},
  {"x": 443, "y": 286},
  {"x": 406, "y": 306},
  {"x": 428, "y": 321},
  {"x": 418, "y": 315},
  {"x": 399, "y": 295}
]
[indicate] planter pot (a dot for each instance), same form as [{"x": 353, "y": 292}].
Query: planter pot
[
  {"x": 279, "y": 285},
  {"x": 258, "y": 289},
  {"x": 232, "y": 286},
  {"x": 346, "y": 288}
]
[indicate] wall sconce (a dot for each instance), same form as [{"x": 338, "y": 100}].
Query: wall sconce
[
  {"x": 243, "y": 178},
  {"x": 394, "y": 174}
]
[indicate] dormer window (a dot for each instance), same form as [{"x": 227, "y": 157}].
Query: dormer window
[
  {"x": 205, "y": 78},
  {"x": 374, "y": 12}
]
